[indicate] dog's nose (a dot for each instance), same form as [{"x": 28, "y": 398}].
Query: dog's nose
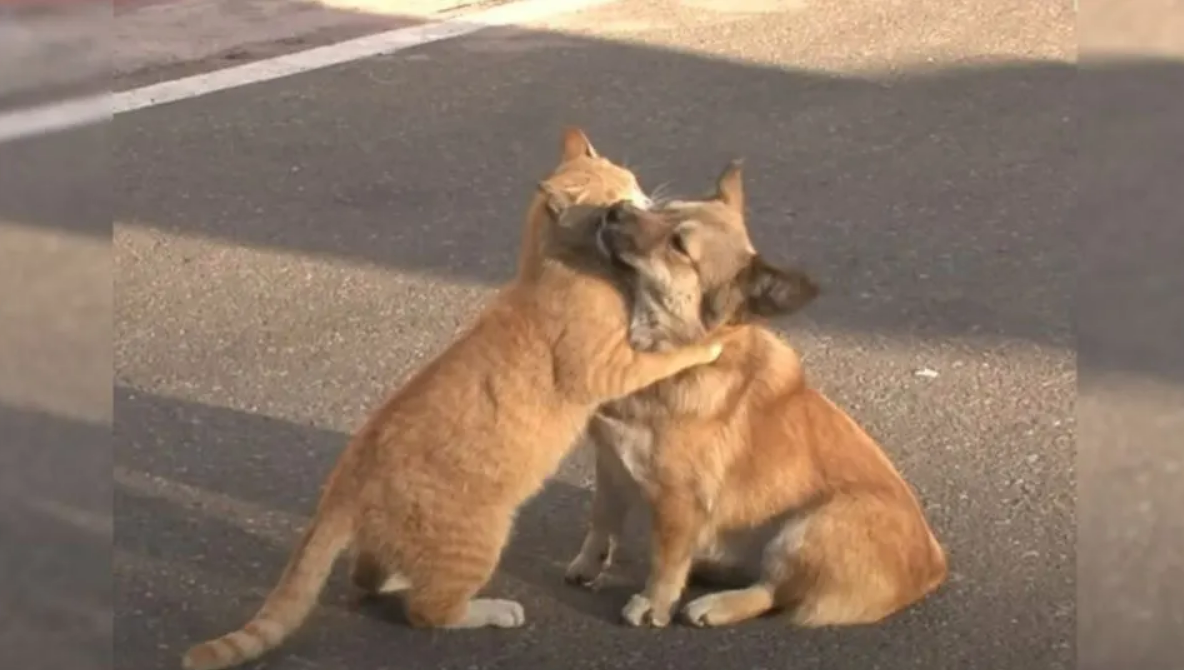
[
  {"x": 617, "y": 213},
  {"x": 649, "y": 228},
  {"x": 631, "y": 227}
]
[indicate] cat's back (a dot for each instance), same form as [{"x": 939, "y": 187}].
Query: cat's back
[{"x": 499, "y": 362}]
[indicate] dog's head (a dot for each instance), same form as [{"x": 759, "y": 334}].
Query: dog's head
[
  {"x": 574, "y": 231},
  {"x": 694, "y": 268}
]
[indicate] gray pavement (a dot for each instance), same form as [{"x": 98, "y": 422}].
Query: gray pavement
[{"x": 286, "y": 252}]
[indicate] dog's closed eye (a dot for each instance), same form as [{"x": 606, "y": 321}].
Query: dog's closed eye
[{"x": 678, "y": 242}]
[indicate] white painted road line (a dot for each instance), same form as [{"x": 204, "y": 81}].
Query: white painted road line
[
  {"x": 54, "y": 116},
  {"x": 77, "y": 112}
]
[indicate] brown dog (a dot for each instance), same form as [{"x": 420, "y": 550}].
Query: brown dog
[
  {"x": 754, "y": 479},
  {"x": 426, "y": 492}
]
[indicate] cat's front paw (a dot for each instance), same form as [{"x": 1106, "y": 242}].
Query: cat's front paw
[{"x": 641, "y": 612}]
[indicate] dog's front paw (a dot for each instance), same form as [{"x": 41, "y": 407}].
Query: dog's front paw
[
  {"x": 586, "y": 571},
  {"x": 641, "y": 612}
]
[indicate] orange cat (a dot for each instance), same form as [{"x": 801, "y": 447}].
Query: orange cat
[{"x": 426, "y": 492}]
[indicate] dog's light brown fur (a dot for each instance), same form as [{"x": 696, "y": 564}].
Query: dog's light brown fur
[
  {"x": 425, "y": 493},
  {"x": 754, "y": 479}
]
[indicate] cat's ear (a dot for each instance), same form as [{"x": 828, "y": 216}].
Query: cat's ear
[{"x": 576, "y": 145}]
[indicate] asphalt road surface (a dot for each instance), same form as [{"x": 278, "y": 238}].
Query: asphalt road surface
[{"x": 286, "y": 252}]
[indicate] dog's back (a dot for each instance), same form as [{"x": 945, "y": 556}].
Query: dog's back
[{"x": 854, "y": 542}]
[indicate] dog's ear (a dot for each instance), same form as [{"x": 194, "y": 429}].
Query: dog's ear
[
  {"x": 729, "y": 187},
  {"x": 555, "y": 200},
  {"x": 576, "y": 145},
  {"x": 759, "y": 291},
  {"x": 771, "y": 291}
]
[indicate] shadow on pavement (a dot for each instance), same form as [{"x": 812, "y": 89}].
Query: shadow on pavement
[
  {"x": 936, "y": 203},
  {"x": 55, "y": 542},
  {"x": 209, "y": 501},
  {"x": 933, "y": 203},
  {"x": 943, "y": 203},
  {"x": 1130, "y": 319}
]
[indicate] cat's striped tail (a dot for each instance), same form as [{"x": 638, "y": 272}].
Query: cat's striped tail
[{"x": 288, "y": 604}]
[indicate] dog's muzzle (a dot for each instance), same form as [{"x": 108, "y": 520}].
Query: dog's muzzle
[{"x": 608, "y": 242}]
